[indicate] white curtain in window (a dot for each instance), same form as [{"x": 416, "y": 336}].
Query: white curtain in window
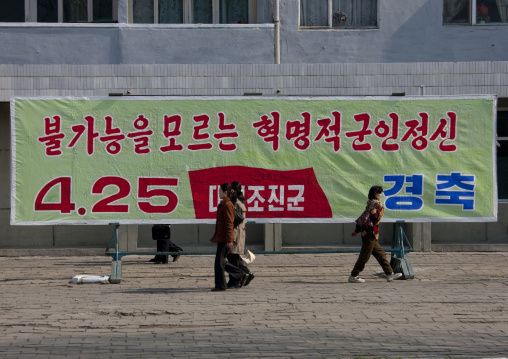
[
  {"x": 502, "y": 6},
  {"x": 359, "y": 13},
  {"x": 75, "y": 11},
  {"x": 313, "y": 12},
  {"x": 456, "y": 11}
]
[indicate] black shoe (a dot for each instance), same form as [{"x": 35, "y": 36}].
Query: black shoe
[
  {"x": 153, "y": 260},
  {"x": 218, "y": 290},
  {"x": 175, "y": 258},
  {"x": 244, "y": 280},
  {"x": 249, "y": 278}
]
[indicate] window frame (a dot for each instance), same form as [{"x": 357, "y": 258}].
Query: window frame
[
  {"x": 188, "y": 15},
  {"x": 31, "y": 12},
  {"x": 330, "y": 20}
]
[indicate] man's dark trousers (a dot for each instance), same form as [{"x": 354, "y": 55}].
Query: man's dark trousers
[{"x": 165, "y": 245}]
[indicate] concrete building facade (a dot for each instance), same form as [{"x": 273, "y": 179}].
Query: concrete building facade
[{"x": 285, "y": 47}]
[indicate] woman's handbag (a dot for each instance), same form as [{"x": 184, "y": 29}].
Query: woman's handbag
[
  {"x": 248, "y": 257},
  {"x": 238, "y": 218}
]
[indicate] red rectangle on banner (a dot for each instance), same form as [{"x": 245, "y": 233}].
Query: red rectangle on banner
[{"x": 268, "y": 193}]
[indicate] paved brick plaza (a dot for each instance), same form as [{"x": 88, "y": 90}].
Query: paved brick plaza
[{"x": 298, "y": 306}]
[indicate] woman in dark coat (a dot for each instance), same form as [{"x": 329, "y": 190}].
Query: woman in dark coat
[{"x": 224, "y": 237}]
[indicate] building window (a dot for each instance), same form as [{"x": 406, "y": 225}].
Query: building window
[
  {"x": 475, "y": 12},
  {"x": 47, "y": 11},
  {"x": 234, "y": 12},
  {"x": 338, "y": 13},
  {"x": 71, "y": 10},
  {"x": 502, "y": 150},
  {"x": 170, "y": 12},
  {"x": 12, "y": 11},
  {"x": 193, "y": 11}
]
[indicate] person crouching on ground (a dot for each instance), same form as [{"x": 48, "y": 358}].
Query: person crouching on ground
[
  {"x": 370, "y": 236},
  {"x": 224, "y": 236}
]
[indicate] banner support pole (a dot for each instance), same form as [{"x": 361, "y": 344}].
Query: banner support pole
[
  {"x": 398, "y": 262},
  {"x": 116, "y": 264}
]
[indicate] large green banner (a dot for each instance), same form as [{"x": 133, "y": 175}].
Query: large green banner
[{"x": 300, "y": 159}]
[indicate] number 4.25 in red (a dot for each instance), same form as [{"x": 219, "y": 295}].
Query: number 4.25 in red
[{"x": 109, "y": 204}]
